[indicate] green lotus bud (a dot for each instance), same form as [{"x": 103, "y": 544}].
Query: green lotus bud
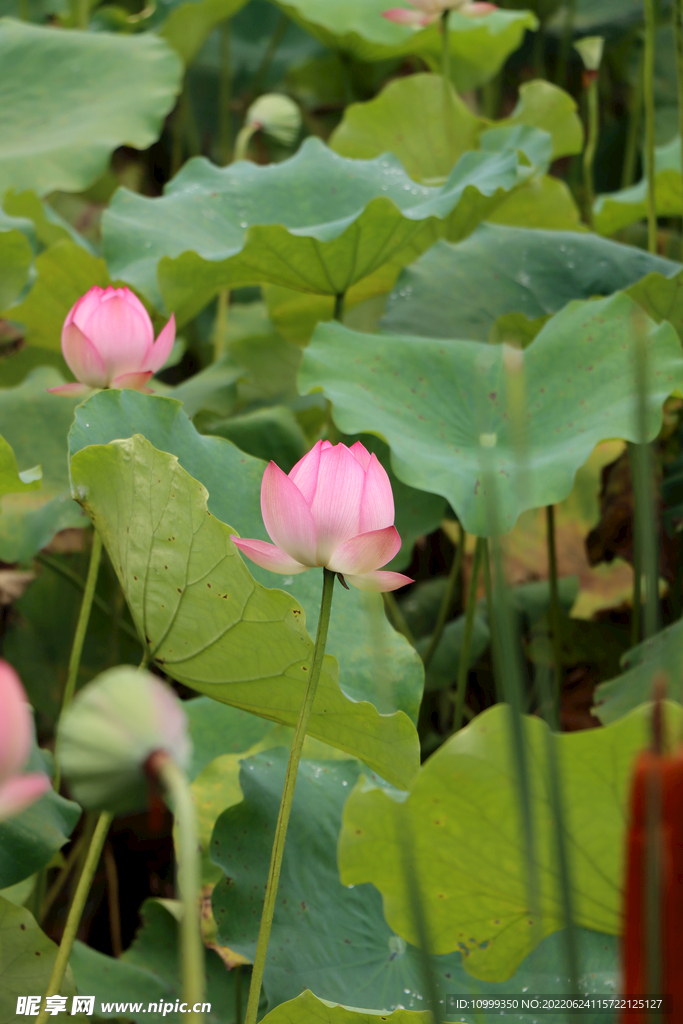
[
  {"x": 108, "y": 734},
  {"x": 277, "y": 116},
  {"x": 590, "y": 48}
]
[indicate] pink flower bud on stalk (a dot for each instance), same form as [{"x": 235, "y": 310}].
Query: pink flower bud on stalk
[
  {"x": 17, "y": 791},
  {"x": 334, "y": 510},
  {"x": 108, "y": 342},
  {"x": 428, "y": 11}
]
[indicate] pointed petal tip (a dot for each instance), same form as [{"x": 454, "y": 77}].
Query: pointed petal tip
[
  {"x": 268, "y": 556},
  {"x": 380, "y": 581}
]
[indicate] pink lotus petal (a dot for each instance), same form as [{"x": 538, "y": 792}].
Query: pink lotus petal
[
  {"x": 287, "y": 517},
  {"x": 336, "y": 505},
  {"x": 268, "y": 556},
  {"x": 121, "y": 331},
  {"x": 70, "y": 389},
  {"x": 161, "y": 349},
  {"x": 20, "y": 792},
  {"x": 326, "y": 445},
  {"x": 87, "y": 304},
  {"x": 477, "y": 9},
  {"x": 360, "y": 454},
  {"x": 379, "y": 581},
  {"x": 16, "y": 723},
  {"x": 402, "y": 16},
  {"x": 305, "y": 473},
  {"x": 82, "y": 358},
  {"x": 134, "y": 381},
  {"x": 365, "y": 552},
  {"x": 377, "y": 503}
]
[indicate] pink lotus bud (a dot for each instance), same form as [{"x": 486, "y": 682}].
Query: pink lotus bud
[
  {"x": 427, "y": 11},
  {"x": 402, "y": 16},
  {"x": 17, "y": 791},
  {"x": 108, "y": 342},
  {"x": 335, "y": 509}
]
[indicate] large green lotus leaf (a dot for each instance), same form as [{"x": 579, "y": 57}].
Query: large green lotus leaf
[
  {"x": 661, "y": 296},
  {"x": 662, "y": 653},
  {"x": 206, "y": 622},
  {"x": 11, "y": 480},
  {"x": 316, "y": 222},
  {"x": 68, "y": 99},
  {"x": 469, "y": 855},
  {"x": 65, "y": 272},
  {"x": 458, "y": 291},
  {"x": 376, "y": 663},
  {"x": 616, "y": 210},
  {"x": 308, "y": 1009},
  {"x": 16, "y": 257},
  {"x": 442, "y": 405},
  {"x": 147, "y": 972},
  {"x": 27, "y": 957},
  {"x": 272, "y": 432},
  {"x": 478, "y": 46},
  {"x": 189, "y": 24},
  {"x": 36, "y": 426},
  {"x": 408, "y": 120},
  {"x": 333, "y": 938},
  {"x": 48, "y": 225},
  {"x": 544, "y": 202},
  {"x": 217, "y": 729},
  {"x": 29, "y": 840}
]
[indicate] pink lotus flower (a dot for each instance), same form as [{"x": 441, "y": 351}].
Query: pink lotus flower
[
  {"x": 108, "y": 342},
  {"x": 17, "y": 791},
  {"x": 335, "y": 509},
  {"x": 427, "y": 11}
]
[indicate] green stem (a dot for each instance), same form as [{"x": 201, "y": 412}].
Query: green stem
[
  {"x": 678, "y": 41},
  {"x": 339, "y": 304},
  {"x": 224, "y": 96},
  {"x": 635, "y": 110},
  {"x": 79, "y": 583},
  {"x": 593, "y": 129},
  {"x": 79, "y": 637},
  {"x": 397, "y": 617},
  {"x": 220, "y": 329},
  {"x": 565, "y": 45},
  {"x": 76, "y": 910},
  {"x": 539, "y": 51},
  {"x": 489, "y": 604},
  {"x": 471, "y": 607},
  {"x": 267, "y": 59},
  {"x": 649, "y": 97},
  {"x": 448, "y": 105},
  {"x": 447, "y": 601},
  {"x": 56, "y": 887},
  {"x": 554, "y": 708},
  {"x": 191, "y": 945},
  {"x": 644, "y": 489},
  {"x": 243, "y": 139},
  {"x": 287, "y": 797}
]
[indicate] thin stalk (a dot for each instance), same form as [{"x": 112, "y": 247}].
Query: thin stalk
[
  {"x": 224, "y": 96},
  {"x": 678, "y": 41},
  {"x": 79, "y": 583},
  {"x": 38, "y": 894},
  {"x": 489, "y": 603},
  {"x": 557, "y": 807},
  {"x": 62, "y": 875},
  {"x": 243, "y": 139},
  {"x": 79, "y": 637},
  {"x": 339, "y": 304},
  {"x": 565, "y": 45},
  {"x": 637, "y": 599},
  {"x": 112, "y": 876},
  {"x": 649, "y": 98},
  {"x": 593, "y": 128},
  {"x": 538, "y": 55},
  {"x": 635, "y": 111},
  {"x": 448, "y": 105},
  {"x": 471, "y": 607},
  {"x": 287, "y": 798},
  {"x": 554, "y": 717},
  {"x": 643, "y": 491},
  {"x": 447, "y": 602},
  {"x": 267, "y": 59},
  {"x": 397, "y": 617},
  {"x": 178, "y": 788},
  {"x": 220, "y": 329},
  {"x": 76, "y": 910}
]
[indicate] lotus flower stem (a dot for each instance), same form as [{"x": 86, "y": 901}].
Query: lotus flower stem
[
  {"x": 565, "y": 45},
  {"x": 593, "y": 129},
  {"x": 448, "y": 111},
  {"x": 646, "y": 560},
  {"x": 678, "y": 41},
  {"x": 649, "y": 97},
  {"x": 464, "y": 665},
  {"x": 176, "y": 785},
  {"x": 220, "y": 329},
  {"x": 56, "y": 887},
  {"x": 79, "y": 635},
  {"x": 447, "y": 602},
  {"x": 554, "y": 613},
  {"x": 287, "y": 798},
  {"x": 635, "y": 110},
  {"x": 339, "y": 302},
  {"x": 76, "y": 910},
  {"x": 224, "y": 96}
]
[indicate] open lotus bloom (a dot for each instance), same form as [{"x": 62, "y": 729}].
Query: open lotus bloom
[
  {"x": 335, "y": 509},
  {"x": 427, "y": 11},
  {"x": 17, "y": 791},
  {"x": 108, "y": 342}
]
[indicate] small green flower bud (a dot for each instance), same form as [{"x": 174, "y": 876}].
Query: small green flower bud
[
  {"x": 277, "y": 116},
  {"x": 108, "y": 734},
  {"x": 590, "y": 48}
]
